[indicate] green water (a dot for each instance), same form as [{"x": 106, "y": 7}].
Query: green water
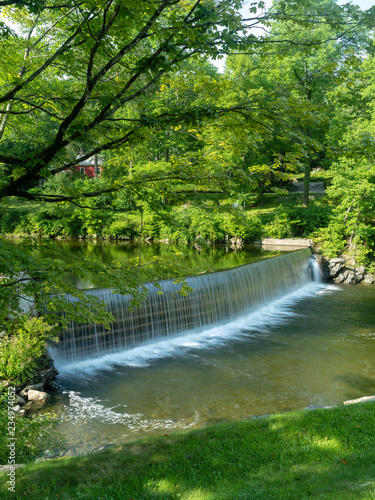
[{"x": 195, "y": 258}]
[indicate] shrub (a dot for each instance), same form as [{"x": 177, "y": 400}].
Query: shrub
[
  {"x": 22, "y": 348},
  {"x": 304, "y": 222},
  {"x": 121, "y": 229},
  {"x": 280, "y": 227},
  {"x": 10, "y": 219},
  {"x": 240, "y": 225}
]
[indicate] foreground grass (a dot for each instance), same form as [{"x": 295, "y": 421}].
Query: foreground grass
[{"x": 326, "y": 454}]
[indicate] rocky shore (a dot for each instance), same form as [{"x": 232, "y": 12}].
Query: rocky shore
[
  {"x": 33, "y": 395},
  {"x": 339, "y": 271}
]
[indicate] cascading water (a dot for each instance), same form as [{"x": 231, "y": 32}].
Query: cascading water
[{"x": 217, "y": 298}]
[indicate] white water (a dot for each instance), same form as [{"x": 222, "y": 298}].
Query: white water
[
  {"x": 275, "y": 313},
  {"x": 211, "y": 313}
]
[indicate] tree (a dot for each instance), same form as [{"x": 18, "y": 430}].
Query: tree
[
  {"x": 353, "y": 176},
  {"x": 297, "y": 84}
]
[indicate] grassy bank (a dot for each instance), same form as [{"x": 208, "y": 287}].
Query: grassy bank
[{"x": 326, "y": 454}]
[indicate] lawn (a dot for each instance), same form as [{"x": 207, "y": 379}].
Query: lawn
[{"x": 327, "y": 454}]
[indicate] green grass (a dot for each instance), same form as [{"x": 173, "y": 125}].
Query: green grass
[
  {"x": 327, "y": 454},
  {"x": 20, "y": 203}
]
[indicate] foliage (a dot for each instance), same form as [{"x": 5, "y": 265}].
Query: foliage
[
  {"x": 298, "y": 221},
  {"x": 131, "y": 81},
  {"x": 22, "y": 346},
  {"x": 280, "y": 227},
  {"x": 325, "y": 453}
]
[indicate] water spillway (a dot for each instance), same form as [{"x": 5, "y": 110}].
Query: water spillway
[{"x": 217, "y": 298}]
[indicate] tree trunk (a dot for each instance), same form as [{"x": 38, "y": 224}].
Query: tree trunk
[
  {"x": 306, "y": 184},
  {"x": 96, "y": 166}
]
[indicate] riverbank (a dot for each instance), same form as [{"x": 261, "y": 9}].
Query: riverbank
[{"x": 324, "y": 453}]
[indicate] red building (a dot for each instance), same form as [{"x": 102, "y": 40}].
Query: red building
[{"x": 90, "y": 167}]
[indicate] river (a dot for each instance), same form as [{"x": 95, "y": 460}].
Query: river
[{"x": 315, "y": 346}]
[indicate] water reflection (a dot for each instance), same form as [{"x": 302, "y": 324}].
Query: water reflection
[{"x": 211, "y": 258}]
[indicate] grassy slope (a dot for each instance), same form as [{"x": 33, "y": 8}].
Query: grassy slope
[{"x": 327, "y": 454}]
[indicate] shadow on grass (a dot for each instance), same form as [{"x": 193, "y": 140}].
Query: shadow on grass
[{"x": 322, "y": 453}]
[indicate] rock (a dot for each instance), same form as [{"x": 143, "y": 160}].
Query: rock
[
  {"x": 316, "y": 407},
  {"x": 332, "y": 267},
  {"x": 33, "y": 395},
  {"x": 31, "y": 387},
  {"x": 369, "y": 278},
  {"x": 359, "y": 400},
  {"x": 7, "y": 468},
  {"x": 350, "y": 278},
  {"x": 52, "y": 385},
  {"x": 360, "y": 270},
  {"x": 103, "y": 447},
  {"x": 340, "y": 278},
  {"x": 19, "y": 399}
]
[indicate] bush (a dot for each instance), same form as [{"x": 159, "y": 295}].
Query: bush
[
  {"x": 121, "y": 229},
  {"x": 304, "y": 222},
  {"x": 298, "y": 222},
  {"x": 240, "y": 225},
  {"x": 22, "y": 348},
  {"x": 280, "y": 227},
  {"x": 10, "y": 219}
]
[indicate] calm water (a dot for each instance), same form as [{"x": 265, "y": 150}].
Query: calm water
[
  {"x": 316, "y": 346},
  {"x": 202, "y": 258}
]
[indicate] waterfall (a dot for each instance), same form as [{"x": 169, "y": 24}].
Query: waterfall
[{"x": 217, "y": 298}]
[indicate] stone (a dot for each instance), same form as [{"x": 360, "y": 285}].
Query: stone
[
  {"x": 359, "y": 400},
  {"x": 19, "y": 399},
  {"x": 340, "y": 278},
  {"x": 33, "y": 395},
  {"x": 360, "y": 270},
  {"x": 103, "y": 447},
  {"x": 350, "y": 278},
  {"x": 369, "y": 279},
  {"x": 31, "y": 387},
  {"x": 7, "y": 468}
]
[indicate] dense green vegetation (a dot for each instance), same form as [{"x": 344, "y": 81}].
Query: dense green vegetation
[
  {"x": 324, "y": 454},
  {"x": 187, "y": 152}
]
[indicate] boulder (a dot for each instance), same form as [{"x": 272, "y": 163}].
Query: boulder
[
  {"x": 332, "y": 267},
  {"x": 31, "y": 387},
  {"x": 37, "y": 395}
]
